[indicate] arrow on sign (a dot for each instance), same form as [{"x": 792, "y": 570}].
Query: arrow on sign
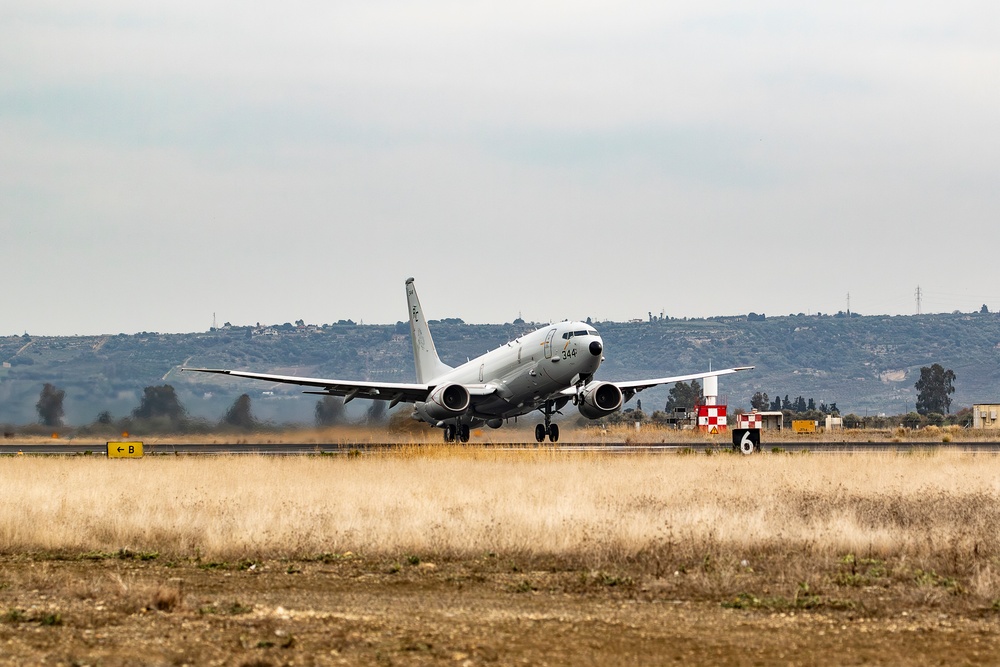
[{"x": 120, "y": 450}]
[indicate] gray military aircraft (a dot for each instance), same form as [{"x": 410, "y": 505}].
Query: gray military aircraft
[{"x": 542, "y": 370}]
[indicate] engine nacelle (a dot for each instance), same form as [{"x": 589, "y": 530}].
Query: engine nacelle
[
  {"x": 445, "y": 402},
  {"x": 600, "y": 399}
]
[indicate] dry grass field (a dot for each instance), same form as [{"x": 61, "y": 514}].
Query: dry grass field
[{"x": 469, "y": 555}]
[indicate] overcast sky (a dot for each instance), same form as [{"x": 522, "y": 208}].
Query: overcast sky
[{"x": 161, "y": 162}]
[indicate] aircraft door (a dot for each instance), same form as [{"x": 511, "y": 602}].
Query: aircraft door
[{"x": 548, "y": 344}]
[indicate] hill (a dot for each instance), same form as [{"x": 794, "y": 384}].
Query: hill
[{"x": 863, "y": 364}]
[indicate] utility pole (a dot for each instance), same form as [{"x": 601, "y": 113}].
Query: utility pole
[
  {"x": 919, "y": 295},
  {"x": 848, "y": 304}
]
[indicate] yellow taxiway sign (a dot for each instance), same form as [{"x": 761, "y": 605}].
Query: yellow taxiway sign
[{"x": 124, "y": 450}]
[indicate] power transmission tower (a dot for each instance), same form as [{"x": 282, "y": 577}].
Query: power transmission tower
[{"x": 919, "y": 295}]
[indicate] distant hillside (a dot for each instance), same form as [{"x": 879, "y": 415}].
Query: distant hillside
[{"x": 863, "y": 364}]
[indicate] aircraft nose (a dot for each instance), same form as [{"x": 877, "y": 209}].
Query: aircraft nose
[{"x": 596, "y": 348}]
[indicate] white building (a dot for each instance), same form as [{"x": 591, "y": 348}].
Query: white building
[{"x": 984, "y": 415}]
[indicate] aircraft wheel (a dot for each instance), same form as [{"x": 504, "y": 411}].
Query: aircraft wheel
[
  {"x": 553, "y": 432},
  {"x": 449, "y": 433},
  {"x": 463, "y": 433},
  {"x": 540, "y": 432}
]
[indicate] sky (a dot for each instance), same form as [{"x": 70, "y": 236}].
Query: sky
[{"x": 164, "y": 166}]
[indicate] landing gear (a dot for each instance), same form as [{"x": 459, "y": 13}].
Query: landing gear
[
  {"x": 453, "y": 432},
  {"x": 548, "y": 428},
  {"x": 552, "y": 431}
]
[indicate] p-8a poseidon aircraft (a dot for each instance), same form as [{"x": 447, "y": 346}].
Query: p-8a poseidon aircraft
[{"x": 543, "y": 370}]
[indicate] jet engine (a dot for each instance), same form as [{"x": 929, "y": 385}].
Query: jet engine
[
  {"x": 445, "y": 402},
  {"x": 599, "y": 399}
]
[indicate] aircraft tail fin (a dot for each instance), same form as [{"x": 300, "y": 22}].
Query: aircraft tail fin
[{"x": 425, "y": 356}]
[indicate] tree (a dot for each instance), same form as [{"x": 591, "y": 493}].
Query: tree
[
  {"x": 659, "y": 417},
  {"x": 984, "y": 310},
  {"x": 852, "y": 421},
  {"x": 799, "y": 405},
  {"x": 330, "y": 411},
  {"x": 159, "y": 402},
  {"x": 240, "y": 414},
  {"x": 683, "y": 395},
  {"x": 811, "y": 405},
  {"x": 786, "y": 404},
  {"x": 759, "y": 401},
  {"x": 50, "y": 405},
  {"x": 775, "y": 404},
  {"x": 934, "y": 388}
]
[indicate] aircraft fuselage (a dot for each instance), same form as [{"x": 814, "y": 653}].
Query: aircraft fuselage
[{"x": 531, "y": 367}]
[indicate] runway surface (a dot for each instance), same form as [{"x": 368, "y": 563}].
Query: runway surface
[{"x": 287, "y": 449}]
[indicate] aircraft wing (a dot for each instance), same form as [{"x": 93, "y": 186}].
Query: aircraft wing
[
  {"x": 632, "y": 387},
  {"x": 635, "y": 386},
  {"x": 396, "y": 392}
]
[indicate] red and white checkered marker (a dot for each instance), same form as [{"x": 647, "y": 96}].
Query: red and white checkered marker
[{"x": 712, "y": 418}]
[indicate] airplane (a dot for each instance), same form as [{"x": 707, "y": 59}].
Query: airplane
[{"x": 539, "y": 371}]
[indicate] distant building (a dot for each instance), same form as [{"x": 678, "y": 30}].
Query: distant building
[
  {"x": 985, "y": 415},
  {"x": 767, "y": 420}
]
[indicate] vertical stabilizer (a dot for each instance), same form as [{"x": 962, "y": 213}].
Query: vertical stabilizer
[{"x": 425, "y": 356}]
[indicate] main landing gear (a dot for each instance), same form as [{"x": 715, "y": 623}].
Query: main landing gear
[
  {"x": 548, "y": 428},
  {"x": 454, "y": 432}
]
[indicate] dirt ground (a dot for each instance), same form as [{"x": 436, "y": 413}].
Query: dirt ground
[{"x": 105, "y": 609}]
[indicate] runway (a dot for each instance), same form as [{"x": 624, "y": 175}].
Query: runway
[{"x": 291, "y": 449}]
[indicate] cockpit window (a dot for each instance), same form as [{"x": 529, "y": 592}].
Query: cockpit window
[{"x": 570, "y": 334}]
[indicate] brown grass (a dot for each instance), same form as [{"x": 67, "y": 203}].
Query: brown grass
[{"x": 457, "y": 502}]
